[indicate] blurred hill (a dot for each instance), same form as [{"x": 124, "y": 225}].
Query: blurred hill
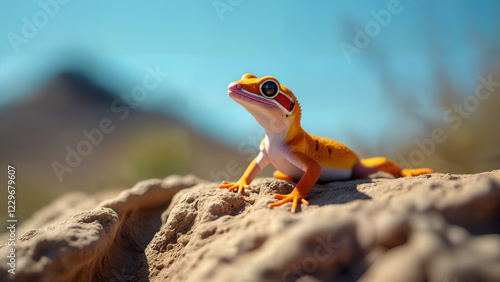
[{"x": 39, "y": 134}]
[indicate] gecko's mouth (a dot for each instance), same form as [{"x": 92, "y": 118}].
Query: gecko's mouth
[{"x": 242, "y": 94}]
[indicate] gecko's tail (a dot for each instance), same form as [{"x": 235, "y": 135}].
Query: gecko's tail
[{"x": 372, "y": 165}]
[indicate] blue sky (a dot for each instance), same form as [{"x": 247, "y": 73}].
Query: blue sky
[{"x": 295, "y": 41}]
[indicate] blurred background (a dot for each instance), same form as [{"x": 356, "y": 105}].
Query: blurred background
[{"x": 100, "y": 95}]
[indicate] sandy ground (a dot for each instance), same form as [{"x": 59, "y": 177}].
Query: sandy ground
[{"x": 439, "y": 227}]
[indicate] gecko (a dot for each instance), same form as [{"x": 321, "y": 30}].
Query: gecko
[{"x": 296, "y": 155}]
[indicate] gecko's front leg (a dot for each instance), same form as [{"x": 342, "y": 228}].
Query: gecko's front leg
[
  {"x": 312, "y": 172},
  {"x": 253, "y": 169}
]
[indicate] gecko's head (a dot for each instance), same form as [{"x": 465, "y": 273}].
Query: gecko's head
[{"x": 273, "y": 105}]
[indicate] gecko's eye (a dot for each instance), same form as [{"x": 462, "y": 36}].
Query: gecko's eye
[{"x": 269, "y": 89}]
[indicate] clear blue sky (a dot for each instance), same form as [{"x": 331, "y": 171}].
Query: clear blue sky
[{"x": 298, "y": 42}]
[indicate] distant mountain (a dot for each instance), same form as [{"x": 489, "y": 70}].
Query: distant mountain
[
  {"x": 71, "y": 89},
  {"x": 74, "y": 133}
]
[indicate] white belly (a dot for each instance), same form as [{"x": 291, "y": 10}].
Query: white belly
[{"x": 275, "y": 151}]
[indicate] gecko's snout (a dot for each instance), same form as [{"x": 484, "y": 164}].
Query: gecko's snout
[{"x": 234, "y": 86}]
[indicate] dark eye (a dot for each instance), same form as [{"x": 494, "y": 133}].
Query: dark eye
[{"x": 269, "y": 89}]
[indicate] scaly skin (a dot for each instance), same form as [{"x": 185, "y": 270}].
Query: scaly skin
[{"x": 298, "y": 155}]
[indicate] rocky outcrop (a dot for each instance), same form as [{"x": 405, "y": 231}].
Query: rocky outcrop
[{"x": 437, "y": 227}]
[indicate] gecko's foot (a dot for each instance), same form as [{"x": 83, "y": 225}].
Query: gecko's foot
[
  {"x": 414, "y": 172},
  {"x": 295, "y": 198},
  {"x": 238, "y": 186}
]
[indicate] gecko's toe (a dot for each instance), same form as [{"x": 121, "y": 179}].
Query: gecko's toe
[{"x": 279, "y": 196}]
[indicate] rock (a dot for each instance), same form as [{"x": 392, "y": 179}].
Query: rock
[
  {"x": 436, "y": 227},
  {"x": 103, "y": 243}
]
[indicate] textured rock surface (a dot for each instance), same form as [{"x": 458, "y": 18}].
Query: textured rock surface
[
  {"x": 437, "y": 227},
  {"x": 101, "y": 244}
]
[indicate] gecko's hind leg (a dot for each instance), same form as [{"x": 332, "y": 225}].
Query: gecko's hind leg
[{"x": 368, "y": 166}]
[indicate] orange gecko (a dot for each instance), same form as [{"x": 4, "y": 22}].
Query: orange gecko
[{"x": 297, "y": 155}]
